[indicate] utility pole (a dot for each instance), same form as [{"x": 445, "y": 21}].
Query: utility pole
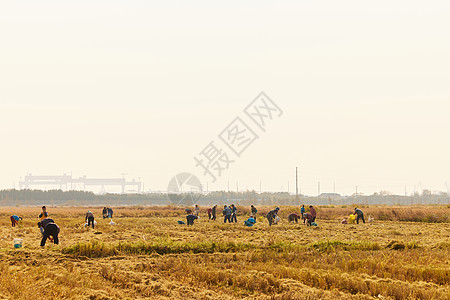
[
  {"x": 318, "y": 188},
  {"x": 356, "y": 189},
  {"x": 237, "y": 187},
  {"x": 296, "y": 182},
  {"x": 228, "y": 186}
]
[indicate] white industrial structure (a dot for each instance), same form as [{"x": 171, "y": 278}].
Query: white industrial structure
[{"x": 68, "y": 182}]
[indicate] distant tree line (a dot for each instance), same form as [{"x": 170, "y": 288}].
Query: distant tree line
[{"x": 29, "y": 197}]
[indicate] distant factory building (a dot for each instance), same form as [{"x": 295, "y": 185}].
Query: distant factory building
[{"x": 329, "y": 195}]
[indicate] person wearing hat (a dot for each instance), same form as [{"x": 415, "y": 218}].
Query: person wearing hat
[
  {"x": 90, "y": 219},
  {"x": 359, "y": 215},
  {"x": 271, "y": 215}
]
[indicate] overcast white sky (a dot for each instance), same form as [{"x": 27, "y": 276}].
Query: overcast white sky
[{"x": 100, "y": 88}]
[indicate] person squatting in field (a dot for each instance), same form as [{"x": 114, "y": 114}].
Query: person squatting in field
[
  {"x": 15, "y": 220},
  {"x": 89, "y": 219},
  {"x": 250, "y": 221},
  {"x": 233, "y": 213},
  {"x": 271, "y": 215},
  {"x": 293, "y": 217},
  {"x": 51, "y": 230},
  {"x": 226, "y": 214},
  {"x": 191, "y": 218},
  {"x": 359, "y": 215}
]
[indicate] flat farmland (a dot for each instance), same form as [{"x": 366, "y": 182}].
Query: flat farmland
[{"x": 403, "y": 254}]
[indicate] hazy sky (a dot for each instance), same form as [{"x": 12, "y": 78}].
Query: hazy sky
[{"x": 100, "y": 88}]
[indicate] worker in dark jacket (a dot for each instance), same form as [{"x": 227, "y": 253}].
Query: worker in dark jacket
[
  {"x": 226, "y": 214},
  {"x": 191, "y": 218},
  {"x": 359, "y": 215},
  {"x": 50, "y": 230},
  {"x": 44, "y": 223},
  {"x": 90, "y": 219},
  {"x": 254, "y": 210},
  {"x": 293, "y": 217},
  {"x": 213, "y": 213},
  {"x": 271, "y": 215},
  {"x": 233, "y": 213}
]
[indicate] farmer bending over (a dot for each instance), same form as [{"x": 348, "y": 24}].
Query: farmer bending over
[
  {"x": 15, "y": 220},
  {"x": 309, "y": 219},
  {"x": 90, "y": 219},
  {"x": 50, "y": 230},
  {"x": 293, "y": 217},
  {"x": 359, "y": 215},
  {"x": 271, "y": 215},
  {"x": 191, "y": 218}
]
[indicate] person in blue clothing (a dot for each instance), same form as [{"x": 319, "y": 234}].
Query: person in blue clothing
[
  {"x": 226, "y": 214},
  {"x": 303, "y": 212},
  {"x": 250, "y": 221},
  {"x": 15, "y": 220},
  {"x": 233, "y": 213}
]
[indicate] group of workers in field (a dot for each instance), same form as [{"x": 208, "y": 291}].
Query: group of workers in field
[
  {"x": 50, "y": 230},
  {"x": 230, "y": 215}
]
